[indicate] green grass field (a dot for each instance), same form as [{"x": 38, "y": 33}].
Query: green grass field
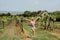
[
  {"x": 39, "y": 35},
  {"x": 7, "y": 37}
]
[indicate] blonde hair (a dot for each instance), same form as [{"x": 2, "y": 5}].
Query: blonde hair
[{"x": 32, "y": 18}]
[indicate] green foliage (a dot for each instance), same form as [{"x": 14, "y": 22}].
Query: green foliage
[
  {"x": 40, "y": 34},
  {"x": 27, "y": 13},
  {"x": 7, "y": 14},
  {"x": 4, "y": 21}
]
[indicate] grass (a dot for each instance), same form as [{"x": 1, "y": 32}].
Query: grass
[
  {"x": 1, "y": 30},
  {"x": 44, "y": 35},
  {"x": 7, "y": 37},
  {"x": 40, "y": 34},
  {"x": 57, "y": 24}
]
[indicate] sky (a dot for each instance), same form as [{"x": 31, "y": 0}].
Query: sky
[{"x": 30, "y": 5}]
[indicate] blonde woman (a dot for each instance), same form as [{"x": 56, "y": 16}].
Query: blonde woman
[{"x": 32, "y": 22}]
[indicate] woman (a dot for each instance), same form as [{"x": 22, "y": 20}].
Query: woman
[
  {"x": 32, "y": 22},
  {"x": 33, "y": 26}
]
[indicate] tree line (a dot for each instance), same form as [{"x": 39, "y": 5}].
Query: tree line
[{"x": 34, "y": 13}]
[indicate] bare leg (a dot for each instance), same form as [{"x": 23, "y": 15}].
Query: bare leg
[{"x": 33, "y": 32}]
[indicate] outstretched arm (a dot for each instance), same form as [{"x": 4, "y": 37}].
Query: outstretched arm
[
  {"x": 37, "y": 19},
  {"x": 27, "y": 19}
]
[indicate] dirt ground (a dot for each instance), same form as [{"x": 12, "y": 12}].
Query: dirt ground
[
  {"x": 56, "y": 32},
  {"x": 13, "y": 30}
]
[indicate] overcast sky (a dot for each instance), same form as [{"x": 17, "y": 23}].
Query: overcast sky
[{"x": 31, "y": 5}]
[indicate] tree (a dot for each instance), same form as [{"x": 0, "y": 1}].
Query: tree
[
  {"x": 38, "y": 11},
  {"x": 33, "y": 14},
  {"x": 26, "y": 13},
  {"x": 8, "y": 14}
]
